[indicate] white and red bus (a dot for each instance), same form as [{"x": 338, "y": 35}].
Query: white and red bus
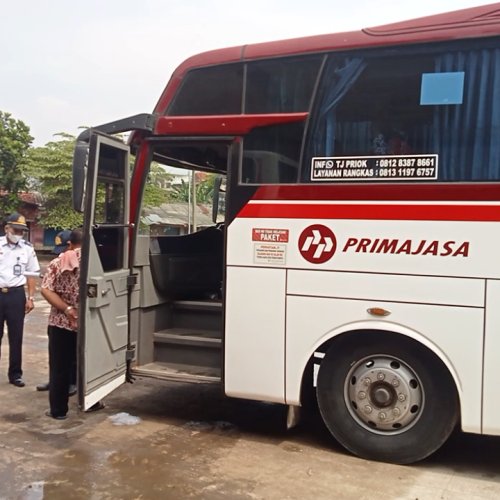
[{"x": 359, "y": 255}]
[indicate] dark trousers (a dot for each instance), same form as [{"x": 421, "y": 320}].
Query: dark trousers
[
  {"x": 72, "y": 380},
  {"x": 62, "y": 352},
  {"x": 12, "y": 306}
]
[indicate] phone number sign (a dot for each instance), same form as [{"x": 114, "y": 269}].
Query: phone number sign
[{"x": 375, "y": 168}]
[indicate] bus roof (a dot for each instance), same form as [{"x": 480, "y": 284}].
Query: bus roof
[{"x": 474, "y": 22}]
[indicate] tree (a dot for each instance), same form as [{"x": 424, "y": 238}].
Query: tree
[
  {"x": 15, "y": 140},
  {"x": 204, "y": 189},
  {"x": 50, "y": 171},
  {"x": 156, "y": 189}
]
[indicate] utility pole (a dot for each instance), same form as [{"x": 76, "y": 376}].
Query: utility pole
[{"x": 193, "y": 200}]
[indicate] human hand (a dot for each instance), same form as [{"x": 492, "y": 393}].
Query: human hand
[
  {"x": 29, "y": 306},
  {"x": 72, "y": 315}
]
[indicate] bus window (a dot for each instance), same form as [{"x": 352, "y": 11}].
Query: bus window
[
  {"x": 380, "y": 105},
  {"x": 210, "y": 91},
  {"x": 281, "y": 86},
  {"x": 271, "y": 154},
  {"x": 109, "y": 202},
  {"x": 109, "y": 213}
]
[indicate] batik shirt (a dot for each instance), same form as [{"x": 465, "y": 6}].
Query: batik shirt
[{"x": 66, "y": 285}]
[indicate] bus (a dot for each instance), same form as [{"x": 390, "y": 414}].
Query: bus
[{"x": 351, "y": 252}]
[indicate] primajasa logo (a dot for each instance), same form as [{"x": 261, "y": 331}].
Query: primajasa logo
[{"x": 317, "y": 244}]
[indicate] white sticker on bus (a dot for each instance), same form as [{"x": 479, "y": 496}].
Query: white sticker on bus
[
  {"x": 270, "y": 253},
  {"x": 375, "y": 168}
]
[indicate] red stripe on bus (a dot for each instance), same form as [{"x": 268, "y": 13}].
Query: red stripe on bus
[{"x": 372, "y": 212}]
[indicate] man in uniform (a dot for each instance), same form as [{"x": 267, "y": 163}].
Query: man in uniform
[{"x": 18, "y": 267}]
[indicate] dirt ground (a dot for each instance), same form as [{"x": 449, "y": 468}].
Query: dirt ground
[{"x": 192, "y": 442}]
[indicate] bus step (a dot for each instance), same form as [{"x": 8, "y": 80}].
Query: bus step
[
  {"x": 197, "y": 315},
  {"x": 198, "y": 305},
  {"x": 188, "y": 349},
  {"x": 203, "y": 338},
  {"x": 178, "y": 373}
]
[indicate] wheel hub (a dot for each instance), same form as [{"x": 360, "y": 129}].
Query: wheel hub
[{"x": 384, "y": 394}]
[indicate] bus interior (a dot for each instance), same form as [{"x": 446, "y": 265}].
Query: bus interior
[{"x": 179, "y": 254}]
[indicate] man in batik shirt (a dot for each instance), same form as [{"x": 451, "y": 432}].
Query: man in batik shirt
[{"x": 60, "y": 287}]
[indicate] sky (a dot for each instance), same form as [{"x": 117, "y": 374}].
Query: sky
[{"x": 66, "y": 65}]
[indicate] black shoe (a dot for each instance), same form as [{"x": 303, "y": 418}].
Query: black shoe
[
  {"x": 71, "y": 390},
  {"x": 58, "y": 417},
  {"x": 18, "y": 382},
  {"x": 42, "y": 387}
]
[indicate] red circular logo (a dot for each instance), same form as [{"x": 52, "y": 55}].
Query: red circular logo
[{"x": 317, "y": 244}]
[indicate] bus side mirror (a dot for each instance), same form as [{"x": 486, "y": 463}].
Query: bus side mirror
[
  {"x": 80, "y": 166},
  {"x": 216, "y": 197}
]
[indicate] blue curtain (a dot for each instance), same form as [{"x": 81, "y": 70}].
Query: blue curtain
[
  {"x": 467, "y": 135},
  {"x": 338, "y": 78}
]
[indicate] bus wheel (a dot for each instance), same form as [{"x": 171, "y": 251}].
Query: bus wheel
[{"x": 386, "y": 398}]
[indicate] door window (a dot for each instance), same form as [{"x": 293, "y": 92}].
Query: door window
[{"x": 109, "y": 213}]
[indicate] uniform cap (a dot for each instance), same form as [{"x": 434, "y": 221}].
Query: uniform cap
[
  {"x": 17, "y": 221},
  {"x": 61, "y": 240}
]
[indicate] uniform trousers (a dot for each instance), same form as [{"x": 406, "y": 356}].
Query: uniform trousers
[
  {"x": 62, "y": 350},
  {"x": 12, "y": 311}
]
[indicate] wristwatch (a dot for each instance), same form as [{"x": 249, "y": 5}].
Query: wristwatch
[{"x": 31, "y": 298}]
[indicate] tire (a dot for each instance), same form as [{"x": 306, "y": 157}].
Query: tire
[{"x": 386, "y": 397}]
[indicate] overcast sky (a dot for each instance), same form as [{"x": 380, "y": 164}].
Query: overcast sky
[{"x": 66, "y": 64}]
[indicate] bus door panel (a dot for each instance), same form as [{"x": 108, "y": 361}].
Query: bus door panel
[
  {"x": 103, "y": 329},
  {"x": 254, "y": 358},
  {"x": 491, "y": 407}
]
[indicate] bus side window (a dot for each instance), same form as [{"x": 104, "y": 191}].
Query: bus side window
[
  {"x": 271, "y": 154},
  {"x": 410, "y": 101}
]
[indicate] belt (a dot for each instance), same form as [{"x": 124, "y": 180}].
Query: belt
[{"x": 7, "y": 289}]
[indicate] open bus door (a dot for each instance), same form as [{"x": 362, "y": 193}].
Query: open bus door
[{"x": 101, "y": 191}]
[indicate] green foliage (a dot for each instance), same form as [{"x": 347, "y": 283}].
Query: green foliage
[
  {"x": 156, "y": 189},
  {"x": 204, "y": 190},
  {"x": 50, "y": 172},
  {"x": 15, "y": 139}
]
